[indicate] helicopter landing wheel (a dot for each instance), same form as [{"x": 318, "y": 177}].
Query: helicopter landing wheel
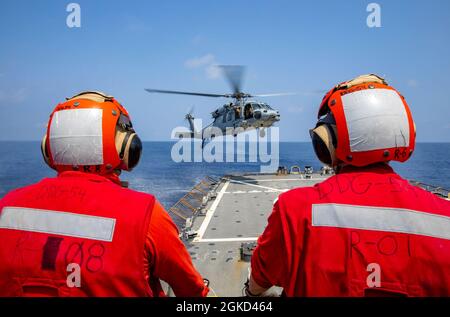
[{"x": 262, "y": 132}]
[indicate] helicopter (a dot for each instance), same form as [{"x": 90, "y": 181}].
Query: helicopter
[{"x": 241, "y": 113}]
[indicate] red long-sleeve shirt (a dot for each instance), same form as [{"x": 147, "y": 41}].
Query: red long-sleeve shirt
[
  {"x": 166, "y": 258},
  {"x": 121, "y": 247},
  {"x": 326, "y": 240},
  {"x": 268, "y": 260}
]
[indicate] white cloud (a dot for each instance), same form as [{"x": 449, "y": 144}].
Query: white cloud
[
  {"x": 213, "y": 72},
  {"x": 197, "y": 62},
  {"x": 207, "y": 62}
]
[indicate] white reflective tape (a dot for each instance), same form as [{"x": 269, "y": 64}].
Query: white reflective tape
[
  {"x": 58, "y": 222},
  {"x": 76, "y": 137},
  {"x": 376, "y": 119},
  {"x": 381, "y": 219}
]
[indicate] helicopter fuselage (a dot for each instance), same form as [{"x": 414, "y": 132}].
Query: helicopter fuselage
[{"x": 243, "y": 114}]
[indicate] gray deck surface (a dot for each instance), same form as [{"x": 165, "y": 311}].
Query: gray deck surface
[{"x": 238, "y": 214}]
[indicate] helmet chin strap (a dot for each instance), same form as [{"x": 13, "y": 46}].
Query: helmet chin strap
[
  {"x": 338, "y": 168},
  {"x": 114, "y": 177}
]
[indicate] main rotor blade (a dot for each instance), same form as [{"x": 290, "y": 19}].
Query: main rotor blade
[
  {"x": 303, "y": 93},
  {"x": 276, "y": 94},
  {"x": 234, "y": 75},
  {"x": 185, "y": 93}
]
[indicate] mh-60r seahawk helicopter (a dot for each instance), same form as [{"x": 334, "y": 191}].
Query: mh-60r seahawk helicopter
[{"x": 237, "y": 116}]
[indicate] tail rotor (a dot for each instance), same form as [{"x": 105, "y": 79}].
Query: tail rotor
[{"x": 189, "y": 117}]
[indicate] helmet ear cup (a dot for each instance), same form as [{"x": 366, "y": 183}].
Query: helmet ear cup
[
  {"x": 324, "y": 143},
  {"x": 133, "y": 151},
  {"x": 129, "y": 147},
  {"x": 44, "y": 150}
]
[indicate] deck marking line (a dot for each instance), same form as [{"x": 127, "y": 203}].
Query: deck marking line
[
  {"x": 258, "y": 191},
  {"x": 228, "y": 239},
  {"x": 250, "y": 184},
  {"x": 290, "y": 179},
  {"x": 210, "y": 212}
]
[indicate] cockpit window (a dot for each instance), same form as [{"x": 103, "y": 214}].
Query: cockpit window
[
  {"x": 265, "y": 106},
  {"x": 256, "y": 106}
]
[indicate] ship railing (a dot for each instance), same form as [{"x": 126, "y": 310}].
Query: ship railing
[
  {"x": 437, "y": 190},
  {"x": 188, "y": 206}
]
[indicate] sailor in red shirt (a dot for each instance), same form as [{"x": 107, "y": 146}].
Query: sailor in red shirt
[
  {"x": 82, "y": 233},
  {"x": 365, "y": 231}
]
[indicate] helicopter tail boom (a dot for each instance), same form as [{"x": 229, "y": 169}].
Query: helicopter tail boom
[{"x": 190, "y": 118}]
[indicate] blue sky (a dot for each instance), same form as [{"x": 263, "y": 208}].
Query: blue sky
[{"x": 123, "y": 47}]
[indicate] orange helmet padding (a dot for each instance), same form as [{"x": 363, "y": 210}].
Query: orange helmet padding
[
  {"x": 332, "y": 102},
  {"x": 112, "y": 110}
]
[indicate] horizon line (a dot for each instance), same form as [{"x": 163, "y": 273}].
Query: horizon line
[{"x": 167, "y": 141}]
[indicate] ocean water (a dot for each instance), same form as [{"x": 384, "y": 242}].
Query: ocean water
[{"x": 21, "y": 164}]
